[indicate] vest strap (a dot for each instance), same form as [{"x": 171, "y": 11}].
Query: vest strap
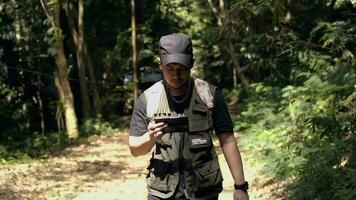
[
  {"x": 153, "y": 95},
  {"x": 204, "y": 92}
]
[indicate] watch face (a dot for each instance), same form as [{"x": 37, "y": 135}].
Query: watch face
[{"x": 243, "y": 186}]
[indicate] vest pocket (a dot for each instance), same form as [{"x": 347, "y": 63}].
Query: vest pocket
[
  {"x": 206, "y": 174},
  {"x": 158, "y": 183},
  {"x": 198, "y": 125},
  {"x": 200, "y": 146},
  {"x": 200, "y": 112},
  {"x": 200, "y": 118},
  {"x": 207, "y": 178},
  {"x": 161, "y": 176}
]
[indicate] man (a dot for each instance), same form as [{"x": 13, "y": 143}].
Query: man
[{"x": 175, "y": 118}]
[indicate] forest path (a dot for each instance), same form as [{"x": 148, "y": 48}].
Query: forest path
[{"x": 102, "y": 169}]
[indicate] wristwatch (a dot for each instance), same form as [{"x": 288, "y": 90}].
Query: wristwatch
[{"x": 243, "y": 186}]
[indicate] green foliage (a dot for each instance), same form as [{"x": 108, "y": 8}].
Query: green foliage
[
  {"x": 111, "y": 127},
  {"x": 336, "y": 35},
  {"x": 297, "y": 55},
  {"x": 299, "y": 119},
  {"x": 304, "y": 131},
  {"x": 54, "y": 35},
  {"x": 97, "y": 127},
  {"x": 35, "y": 146},
  {"x": 11, "y": 113}
]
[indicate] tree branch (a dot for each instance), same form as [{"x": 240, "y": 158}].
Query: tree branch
[{"x": 45, "y": 9}]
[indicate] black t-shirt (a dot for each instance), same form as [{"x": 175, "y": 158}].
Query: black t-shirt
[{"x": 221, "y": 118}]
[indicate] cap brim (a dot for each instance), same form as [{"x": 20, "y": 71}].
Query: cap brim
[{"x": 184, "y": 59}]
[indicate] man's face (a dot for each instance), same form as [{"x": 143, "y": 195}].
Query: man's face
[{"x": 175, "y": 74}]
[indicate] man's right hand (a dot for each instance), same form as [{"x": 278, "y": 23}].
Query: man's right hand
[
  {"x": 155, "y": 130},
  {"x": 143, "y": 144}
]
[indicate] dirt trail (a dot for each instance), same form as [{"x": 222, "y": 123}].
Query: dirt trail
[{"x": 102, "y": 169}]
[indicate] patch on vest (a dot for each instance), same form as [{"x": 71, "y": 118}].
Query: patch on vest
[{"x": 199, "y": 142}]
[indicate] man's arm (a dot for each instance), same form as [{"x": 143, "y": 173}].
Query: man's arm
[
  {"x": 234, "y": 161},
  {"x": 143, "y": 135},
  {"x": 232, "y": 156}
]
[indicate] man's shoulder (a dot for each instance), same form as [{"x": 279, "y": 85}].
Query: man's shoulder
[
  {"x": 154, "y": 88},
  {"x": 141, "y": 101}
]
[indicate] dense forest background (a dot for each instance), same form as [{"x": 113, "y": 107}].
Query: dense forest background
[{"x": 71, "y": 68}]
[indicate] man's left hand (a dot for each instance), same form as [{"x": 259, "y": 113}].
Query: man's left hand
[{"x": 240, "y": 195}]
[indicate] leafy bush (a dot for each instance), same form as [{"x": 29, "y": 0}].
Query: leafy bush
[
  {"x": 98, "y": 127},
  {"x": 34, "y": 146},
  {"x": 306, "y": 132},
  {"x": 299, "y": 119}
]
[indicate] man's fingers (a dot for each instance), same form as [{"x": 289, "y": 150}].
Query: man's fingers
[
  {"x": 155, "y": 130},
  {"x": 153, "y": 126},
  {"x": 158, "y": 134}
]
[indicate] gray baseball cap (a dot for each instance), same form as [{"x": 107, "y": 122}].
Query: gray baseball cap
[{"x": 176, "y": 48}]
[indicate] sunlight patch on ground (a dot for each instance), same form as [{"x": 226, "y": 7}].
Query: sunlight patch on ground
[{"x": 127, "y": 190}]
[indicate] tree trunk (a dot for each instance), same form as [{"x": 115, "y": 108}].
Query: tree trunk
[
  {"x": 72, "y": 18},
  {"x": 40, "y": 103},
  {"x": 81, "y": 64},
  {"x": 61, "y": 75},
  {"x": 234, "y": 74},
  {"x": 222, "y": 22},
  {"x": 134, "y": 49},
  {"x": 93, "y": 84},
  {"x": 65, "y": 96},
  {"x": 62, "y": 83},
  {"x": 237, "y": 67}
]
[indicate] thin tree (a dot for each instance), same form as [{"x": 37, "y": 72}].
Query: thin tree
[
  {"x": 134, "y": 49},
  {"x": 81, "y": 64},
  {"x": 61, "y": 75},
  {"x": 72, "y": 18}
]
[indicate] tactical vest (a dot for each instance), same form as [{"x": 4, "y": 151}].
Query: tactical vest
[{"x": 189, "y": 154}]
